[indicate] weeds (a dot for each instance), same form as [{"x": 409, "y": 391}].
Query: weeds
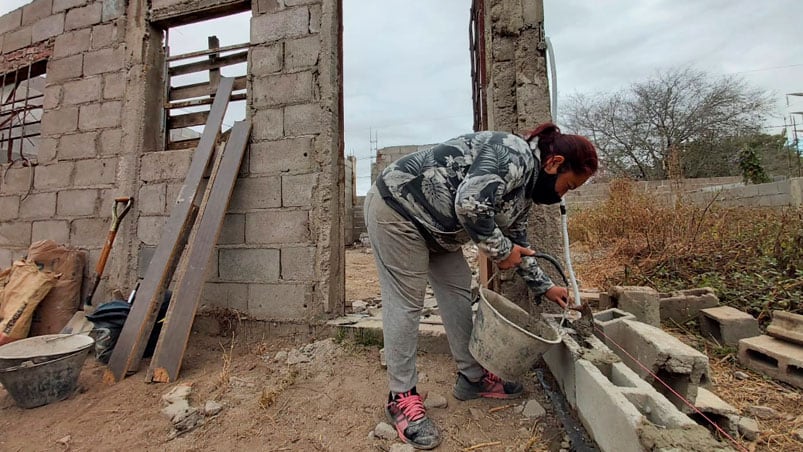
[{"x": 753, "y": 257}]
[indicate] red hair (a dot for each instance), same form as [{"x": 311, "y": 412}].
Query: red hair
[{"x": 578, "y": 152}]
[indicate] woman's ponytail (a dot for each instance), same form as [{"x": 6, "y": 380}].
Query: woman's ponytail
[{"x": 580, "y": 155}]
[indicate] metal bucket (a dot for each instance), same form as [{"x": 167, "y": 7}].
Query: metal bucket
[
  {"x": 43, "y": 369},
  {"x": 505, "y": 339}
]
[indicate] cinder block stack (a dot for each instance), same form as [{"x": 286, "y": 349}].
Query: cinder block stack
[{"x": 778, "y": 354}]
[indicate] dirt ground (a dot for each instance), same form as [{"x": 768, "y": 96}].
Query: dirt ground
[{"x": 331, "y": 403}]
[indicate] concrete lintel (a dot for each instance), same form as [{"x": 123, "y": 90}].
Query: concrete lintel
[{"x": 196, "y": 11}]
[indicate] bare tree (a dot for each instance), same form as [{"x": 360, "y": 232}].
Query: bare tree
[{"x": 639, "y": 130}]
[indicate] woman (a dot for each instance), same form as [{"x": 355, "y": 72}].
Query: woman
[{"x": 422, "y": 209}]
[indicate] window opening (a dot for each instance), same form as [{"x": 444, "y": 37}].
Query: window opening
[
  {"x": 192, "y": 77},
  {"x": 21, "y": 101}
]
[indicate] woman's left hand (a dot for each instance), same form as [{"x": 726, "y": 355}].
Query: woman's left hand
[{"x": 559, "y": 295}]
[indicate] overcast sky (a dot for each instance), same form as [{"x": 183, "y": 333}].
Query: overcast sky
[{"x": 407, "y": 71}]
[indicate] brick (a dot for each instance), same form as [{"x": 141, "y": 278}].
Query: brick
[
  {"x": 727, "y": 325},
  {"x": 10, "y": 21},
  {"x": 37, "y": 9},
  {"x": 249, "y": 265},
  {"x": 16, "y": 180},
  {"x": 77, "y": 202},
  {"x": 275, "y": 157},
  {"x": 38, "y": 206},
  {"x": 144, "y": 259},
  {"x": 56, "y": 230},
  {"x": 110, "y": 141},
  {"x": 95, "y": 172},
  {"x": 282, "y": 89},
  {"x": 47, "y": 28},
  {"x": 59, "y": 70},
  {"x": 268, "y": 124},
  {"x": 17, "y": 233},
  {"x": 786, "y": 326},
  {"x": 302, "y": 53},
  {"x": 77, "y": 146},
  {"x": 226, "y": 295},
  {"x": 776, "y": 358},
  {"x": 52, "y": 98},
  {"x": 278, "y": 301},
  {"x": 304, "y": 119},
  {"x": 63, "y": 120},
  {"x": 17, "y": 39},
  {"x": 82, "y": 91},
  {"x": 113, "y": 86},
  {"x": 233, "y": 231},
  {"x": 72, "y": 43},
  {"x": 103, "y": 60},
  {"x": 9, "y": 207},
  {"x": 83, "y": 17},
  {"x": 685, "y": 305},
  {"x": 277, "y": 226},
  {"x": 57, "y": 175},
  {"x": 63, "y": 5},
  {"x": 46, "y": 150},
  {"x": 297, "y": 190},
  {"x": 88, "y": 232},
  {"x": 100, "y": 115},
  {"x": 151, "y": 200},
  {"x": 103, "y": 35},
  {"x": 266, "y": 59},
  {"x": 266, "y": 6},
  {"x": 112, "y": 9},
  {"x": 288, "y": 23},
  {"x": 298, "y": 263},
  {"x": 256, "y": 193},
  {"x": 315, "y": 15},
  {"x": 164, "y": 165},
  {"x": 642, "y": 302},
  {"x": 149, "y": 229}
]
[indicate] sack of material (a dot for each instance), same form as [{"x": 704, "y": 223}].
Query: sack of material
[
  {"x": 26, "y": 287},
  {"x": 64, "y": 299}
]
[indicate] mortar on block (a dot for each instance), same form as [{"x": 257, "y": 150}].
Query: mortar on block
[{"x": 505, "y": 339}]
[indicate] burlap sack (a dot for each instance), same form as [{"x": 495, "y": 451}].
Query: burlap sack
[
  {"x": 26, "y": 287},
  {"x": 64, "y": 299}
]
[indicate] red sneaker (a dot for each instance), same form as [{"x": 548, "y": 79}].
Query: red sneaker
[
  {"x": 406, "y": 412},
  {"x": 489, "y": 386}
]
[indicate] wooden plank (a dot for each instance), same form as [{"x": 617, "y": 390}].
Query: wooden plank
[
  {"x": 201, "y": 89},
  {"x": 139, "y": 324},
  {"x": 202, "y": 101},
  {"x": 175, "y": 334},
  {"x": 183, "y": 144},
  {"x": 198, "y": 66},
  {"x": 187, "y": 120}
]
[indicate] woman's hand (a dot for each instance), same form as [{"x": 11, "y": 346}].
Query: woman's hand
[
  {"x": 559, "y": 295},
  {"x": 514, "y": 258}
]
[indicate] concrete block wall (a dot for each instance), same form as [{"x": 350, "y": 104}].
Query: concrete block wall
[{"x": 67, "y": 196}]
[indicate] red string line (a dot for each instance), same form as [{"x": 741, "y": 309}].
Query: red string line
[{"x": 689, "y": 404}]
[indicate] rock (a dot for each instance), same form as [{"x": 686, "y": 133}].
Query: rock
[
  {"x": 476, "y": 413},
  {"x": 401, "y": 448},
  {"x": 281, "y": 356},
  {"x": 178, "y": 407},
  {"x": 798, "y": 434},
  {"x": 531, "y": 409},
  {"x": 564, "y": 445},
  {"x": 385, "y": 431},
  {"x": 189, "y": 423},
  {"x": 296, "y": 357},
  {"x": 748, "y": 427},
  {"x": 382, "y": 361},
  {"x": 763, "y": 412},
  {"x": 212, "y": 408},
  {"x": 65, "y": 441},
  {"x": 358, "y": 306},
  {"x": 739, "y": 375},
  {"x": 435, "y": 401},
  {"x": 375, "y": 311}
]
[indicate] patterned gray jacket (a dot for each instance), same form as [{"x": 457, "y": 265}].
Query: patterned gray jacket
[{"x": 476, "y": 187}]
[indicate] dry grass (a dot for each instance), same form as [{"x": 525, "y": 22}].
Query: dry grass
[{"x": 753, "y": 257}]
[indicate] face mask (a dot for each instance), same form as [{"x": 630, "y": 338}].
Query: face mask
[{"x": 544, "y": 189}]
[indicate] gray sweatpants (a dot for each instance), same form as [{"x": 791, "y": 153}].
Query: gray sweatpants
[{"x": 404, "y": 264}]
